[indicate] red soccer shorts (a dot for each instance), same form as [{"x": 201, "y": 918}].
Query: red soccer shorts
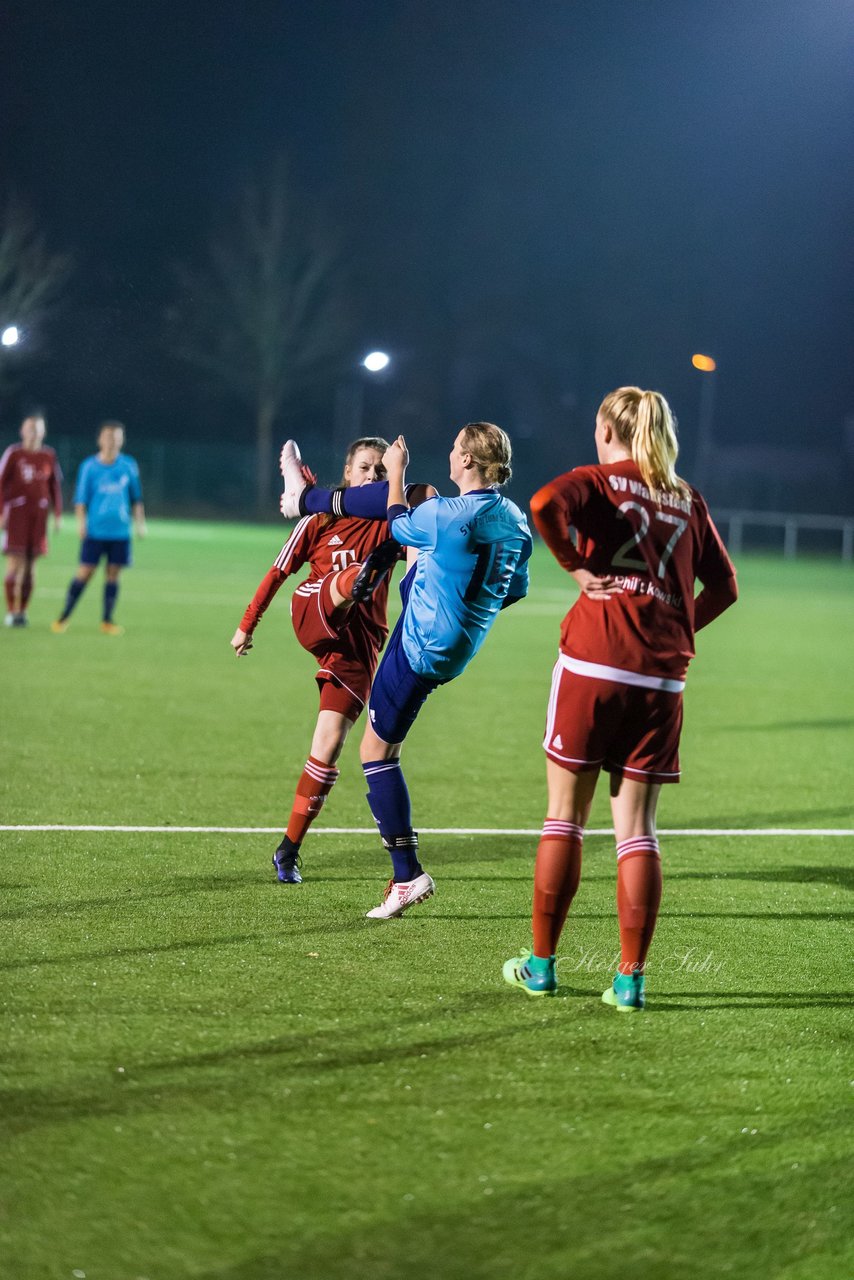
[
  {"x": 26, "y": 529},
  {"x": 595, "y": 723},
  {"x": 346, "y": 650}
]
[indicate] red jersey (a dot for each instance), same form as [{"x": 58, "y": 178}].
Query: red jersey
[
  {"x": 656, "y": 545},
  {"x": 327, "y": 545},
  {"x": 30, "y": 476}
]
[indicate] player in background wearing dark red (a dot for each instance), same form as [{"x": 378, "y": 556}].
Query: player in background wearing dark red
[
  {"x": 344, "y": 637},
  {"x": 30, "y": 487},
  {"x": 636, "y": 538}
]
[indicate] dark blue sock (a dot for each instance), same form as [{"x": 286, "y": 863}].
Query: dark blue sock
[
  {"x": 367, "y": 501},
  {"x": 111, "y": 591},
  {"x": 75, "y": 590},
  {"x": 388, "y": 797}
]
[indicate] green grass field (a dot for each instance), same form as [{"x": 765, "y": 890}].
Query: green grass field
[{"x": 209, "y": 1075}]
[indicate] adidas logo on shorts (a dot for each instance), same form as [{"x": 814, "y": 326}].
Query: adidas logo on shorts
[{"x": 558, "y": 742}]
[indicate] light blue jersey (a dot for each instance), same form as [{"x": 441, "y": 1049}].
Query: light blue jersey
[
  {"x": 473, "y": 554},
  {"x": 108, "y": 494}
]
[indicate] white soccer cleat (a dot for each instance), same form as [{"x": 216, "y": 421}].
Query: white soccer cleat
[
  {"x": 401, "y": 896},
  {"x": 290, "y": 465}
]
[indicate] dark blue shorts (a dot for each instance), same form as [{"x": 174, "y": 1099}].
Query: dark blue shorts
[
  {"x": 117, "y": 551},
  {"x": 398, "y": 692}
]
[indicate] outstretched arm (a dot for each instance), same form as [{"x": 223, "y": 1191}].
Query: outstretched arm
[
  {"x": 241, "y": 641},
  {"x": 366, "y": 502}
]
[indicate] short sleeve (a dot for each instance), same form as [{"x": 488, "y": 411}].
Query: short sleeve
[
  {"x": 135, "y": 488},
  {"x": 81, "y": 489}
]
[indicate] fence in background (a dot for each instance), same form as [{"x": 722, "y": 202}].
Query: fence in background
[
  {"x": 737, "y": 526},
  {"x": 217, "y": 481},
  {"x": 183, "y": 478}
]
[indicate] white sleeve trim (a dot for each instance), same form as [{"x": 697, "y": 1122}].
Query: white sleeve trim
[{"x": 287, "y": 552}]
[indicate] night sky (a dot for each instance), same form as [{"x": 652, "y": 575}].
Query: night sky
[{"x": 581, "y": 193}]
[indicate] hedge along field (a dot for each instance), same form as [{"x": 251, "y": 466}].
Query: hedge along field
[{"x": 207, "y": 1074}]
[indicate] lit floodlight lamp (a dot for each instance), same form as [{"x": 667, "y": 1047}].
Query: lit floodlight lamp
[
  {"x": 704, "y": 363},
  {"x": 376, "y": 361},
  {"x": 10, "y": 335}
]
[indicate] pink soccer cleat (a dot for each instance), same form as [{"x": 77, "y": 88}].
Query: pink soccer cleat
[{"x": 290, "y": 465}]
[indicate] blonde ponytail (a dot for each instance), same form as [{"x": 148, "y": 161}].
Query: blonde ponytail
[
  {"x": 644, "y": 423},
  {"x": 490, "y": 450}
]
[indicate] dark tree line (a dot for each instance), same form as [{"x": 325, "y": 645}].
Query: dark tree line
[
  {"x": 263, "y": 313},
  {"x": 266, "y": 312}
]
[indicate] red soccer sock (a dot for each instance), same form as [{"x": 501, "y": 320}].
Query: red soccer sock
[
  {"x": 316, "y": 781},
  {"x": 346, "y": 578},
  {"x": 638, "y": 898},
  {"x": 9, "y": 585},
  {"x": 26, "y": 590},
  {"x": 556, "y": 878}
]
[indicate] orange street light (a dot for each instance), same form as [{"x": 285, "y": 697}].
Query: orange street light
[{"x": 705, "y": 434}]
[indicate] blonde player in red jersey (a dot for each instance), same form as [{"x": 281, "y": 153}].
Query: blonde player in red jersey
[
  {"x": 636, "y": 538},
  {"x": 344, "y": 636},
  {"x": 30, "y": 486}
]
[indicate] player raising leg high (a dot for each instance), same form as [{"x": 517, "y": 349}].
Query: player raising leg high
[
  {"x": 339, "y": 616},
  {"x": 472, "y": 554}
]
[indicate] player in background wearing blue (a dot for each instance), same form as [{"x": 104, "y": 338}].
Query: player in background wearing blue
[
  {"x": 472, "y": 554},
  {"x": 108, "y": 493}
]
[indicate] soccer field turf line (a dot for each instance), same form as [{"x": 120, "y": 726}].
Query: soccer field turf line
[{"x": 434, "y": 831}]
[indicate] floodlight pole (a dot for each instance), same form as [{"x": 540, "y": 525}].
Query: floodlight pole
[
  {"x": 350, "y": 398},
  {"x": 705, "y": 421}
]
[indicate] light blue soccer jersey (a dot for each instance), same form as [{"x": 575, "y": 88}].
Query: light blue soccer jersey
[
  {"x": 108, "y": 494},
  {"x": 473, "y": 554}
]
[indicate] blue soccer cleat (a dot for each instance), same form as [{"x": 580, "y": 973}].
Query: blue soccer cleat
[
  {"x": 518, "y": 973},
  {"x": 287, "y": 864},
  {"x": 626, "y": 993}
]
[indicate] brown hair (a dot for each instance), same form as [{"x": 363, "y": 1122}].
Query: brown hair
[
  {"x": 643, "y": 422},
  {"x": 364, "y": 442},
  {"x": 490, "y": 451}
]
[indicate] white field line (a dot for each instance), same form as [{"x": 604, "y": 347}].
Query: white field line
[{"x": 432, "y": 831}]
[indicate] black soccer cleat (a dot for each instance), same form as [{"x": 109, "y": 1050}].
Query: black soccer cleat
[{"x": 377, "y": 566}]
